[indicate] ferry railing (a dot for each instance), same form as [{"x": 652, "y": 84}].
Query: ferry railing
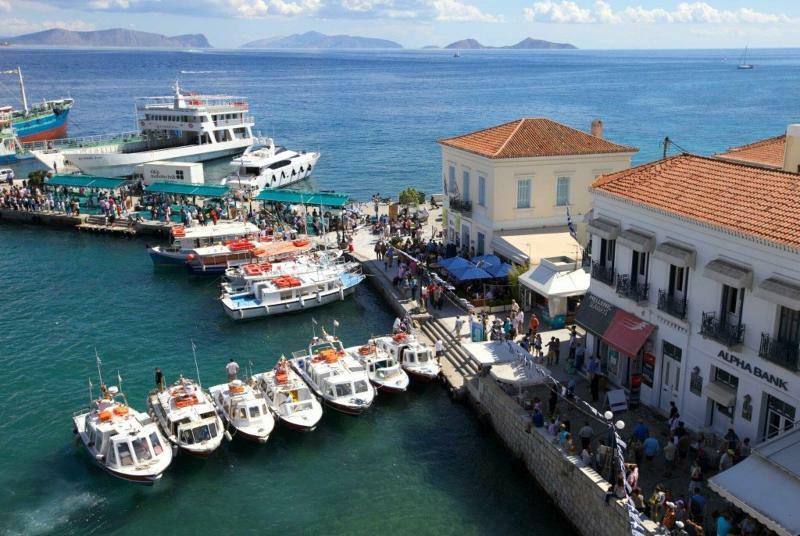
[
  {"x": 84, "y": 141},
  {"x": 235, "y": 122}
]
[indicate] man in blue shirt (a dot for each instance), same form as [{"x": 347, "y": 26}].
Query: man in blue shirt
[
  {"x": 697, "y": 504},
  {"x": 651, "y": 448},
  {"x": 641, "y": 431}
]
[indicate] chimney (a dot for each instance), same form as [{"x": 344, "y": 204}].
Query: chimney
[
  {"x": 791, "y": 154},
  {"x": 597, "y": 128}
]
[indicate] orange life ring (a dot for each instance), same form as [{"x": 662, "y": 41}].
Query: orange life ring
[
  {"x": 121, "y": 410},
  {"x": 106, "y": 415},
  {"x": 365, "y": 350},
  {"x": 300, "y": 243}
]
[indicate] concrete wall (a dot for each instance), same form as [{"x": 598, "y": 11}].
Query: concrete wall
[{"x": 578, "y": 491}]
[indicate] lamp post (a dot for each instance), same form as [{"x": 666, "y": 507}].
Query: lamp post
[{"x": 613, "y": 429}]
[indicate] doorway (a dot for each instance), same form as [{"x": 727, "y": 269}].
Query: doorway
[
  {"x": 670, "y": 375},
  {"x": 780, "y": 417}
]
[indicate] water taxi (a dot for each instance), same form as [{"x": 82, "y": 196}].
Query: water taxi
[
  {"x": 241, "y": 278},
  {"x": 124, "y": 442},
  {"x": 325, "y": 372},
  {"x": 244, "y": 409},
  {"x": 215, "y": 260},
  {"x": 263, "y": 165},
  {"x": 289, "y": 398},
  {"x": 187, "y": 417},
  {"x": 184, "y": 240},
  {"x": 414, "y": 356},
  {"x": 383, "y": 370}
]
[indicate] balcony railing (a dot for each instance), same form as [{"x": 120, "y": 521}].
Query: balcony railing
[
  {"x": 604, "y": 274},
  {"x": 785, "y": 354},
  {"x": 729, "y": 334},
  {"x": 672, "y": 305},
  {"x": 632, "y": 290},
  {"x": 460, "y": 205}
]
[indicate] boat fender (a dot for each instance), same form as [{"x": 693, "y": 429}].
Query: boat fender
[
  {"x": 341, "y": 293},
  {"x": 319, "y": 297},
  {"x": 302, "y": 302},
  {"x": 228, "y": 436}
]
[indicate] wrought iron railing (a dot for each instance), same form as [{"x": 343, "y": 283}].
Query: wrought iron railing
[
  {"x": 727, "y": 333},
  {"x": 783, "y": 353},
  {"x": 672, "y": 305},
  {"x": 633, "y": 290},
  {"x": 460, "y": 205},
  {"x": 604, "y": 274}
]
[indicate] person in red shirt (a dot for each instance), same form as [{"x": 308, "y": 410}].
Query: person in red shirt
[{"x": 533, "y": 325}]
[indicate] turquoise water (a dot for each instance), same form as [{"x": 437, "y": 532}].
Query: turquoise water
[{"x": 413, "y": 463}]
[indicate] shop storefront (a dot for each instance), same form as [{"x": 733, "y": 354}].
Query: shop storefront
[{"x": 620, "y": 340}]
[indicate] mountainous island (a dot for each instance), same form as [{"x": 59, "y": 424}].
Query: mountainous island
[
  {"x": 319, "y": 40},
  {"x": 115, "y": 37},
  {"x": 526, "y": 44}
]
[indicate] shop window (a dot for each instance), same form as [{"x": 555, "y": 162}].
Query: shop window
[{"x": 722, "y": 376}]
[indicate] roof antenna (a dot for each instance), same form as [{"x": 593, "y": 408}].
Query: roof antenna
[{"x": 667, "y": 141}]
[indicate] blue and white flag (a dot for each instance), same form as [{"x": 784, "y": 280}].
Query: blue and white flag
[{"x": 571, "y": 226}]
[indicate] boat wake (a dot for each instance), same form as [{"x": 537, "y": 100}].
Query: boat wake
[
  {"x": 203, "y": 72},
  {"x": 51, "y": 515}
]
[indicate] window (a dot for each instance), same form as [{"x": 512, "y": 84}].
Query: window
[
  {"x": 465, "y": 186},
  {"x": 639, "y": 267},
  {"x": 482, "y": 191},
  {"x": 141, "y": 449},
  {"x": 789, "y": 326},
  {"x": 724, "y": 377},
  {"x": 524, "y": 193},
  {"x": 732, "y": 299},
  {"x": 607, "y": 248},
  {"x": 677, "y": 275},
  {"x": 125, "y": 457},
  {"x": 562, "y": 192},
  {"x": 179, "y": 174},
  {"x": 670, "y": 350},
  {"x": 451, "y": 179},
  {"x": 481, "y": 244},
  {"x": 361, "y": 386},
  {"x": 344, "y": 389},
  {"x": 157, "y": 448},
  {"x": 254, "y": 412}
]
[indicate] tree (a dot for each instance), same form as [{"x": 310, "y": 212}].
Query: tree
[
  {"x": 513, "y": 279},
  {"x": 36, "y": 178},
  {"x": 411, "y": 196}
]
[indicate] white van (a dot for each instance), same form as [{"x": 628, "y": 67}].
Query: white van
[{"x": 6, "y": 175}]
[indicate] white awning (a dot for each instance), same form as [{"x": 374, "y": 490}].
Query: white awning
[
  {"x": 728, "y": 273},
  {"x": 672, "y": 253},
  {"x": 517, "y": 374},
  {"x": 603, "y": 228},
  {"x": 764, "y": 483},
  {"x": 636, "y": 240},
  {"x": 556, "y": 284},
  {"x": 493, "y": 352},
  {"x": 720, "y": 393},
  {"x": 516, "y": 246},
  {"x": 780, "y": 292}
]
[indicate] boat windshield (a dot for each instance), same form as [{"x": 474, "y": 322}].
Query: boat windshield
[
  {"x": 423, "y": 356},
  {"x": 382, "y": 364},
  {"x": 142, "y": 449},
  {"x": 156, "y": 443},
  {"x": 361, "y": 386},
  {"x": 125, "y": 456},
  {"x": 343, "y": 389}
]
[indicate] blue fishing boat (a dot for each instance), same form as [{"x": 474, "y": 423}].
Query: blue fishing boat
[{"x": 38, "y": 121}]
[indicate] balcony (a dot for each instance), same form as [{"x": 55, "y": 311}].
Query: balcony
[
  {"x": 672, "y": 305},
  {"x": 604, "y": 274},
  {"x": 785, "y": 354},
  {"x": 626, "y": 288},
  {"x": 723, "y": 332},
  {"x": 460, "y": 205}
]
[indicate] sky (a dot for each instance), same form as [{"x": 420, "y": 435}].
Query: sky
[{"x": 593, "y": 24}]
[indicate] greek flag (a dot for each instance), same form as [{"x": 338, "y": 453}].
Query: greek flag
[{"x": 571, "y": 226}]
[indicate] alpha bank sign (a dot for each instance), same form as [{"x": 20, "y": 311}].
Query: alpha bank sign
[{"x": 758, "y": 372}]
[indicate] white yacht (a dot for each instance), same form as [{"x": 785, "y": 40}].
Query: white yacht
[
  {"x": 183, "y": 240},
  {"x": 383, "y": 370},
  {"x": 265, "y": 166},
  {"x": 414, "y": 356},
  {"x": 123, "y": 441},
  {"x": 289, "y": 398},
  {"x": 244, "y": 409},
  {"x": 290, "y": 293},
  {"x": 187, "y": 417},
  {"x": 322, "y": 368},
  {"x": 183, "y": 126}
]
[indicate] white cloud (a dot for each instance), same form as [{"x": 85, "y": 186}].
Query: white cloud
[
  {"x": 5, "y": 5},
  {"x": 567, "y": 11},
  {"x": 109, "y": 4},
  {"x": 24, "y": 26},
  {"x": 261, "y": 8},
  {"x": 455, "y": 11}
]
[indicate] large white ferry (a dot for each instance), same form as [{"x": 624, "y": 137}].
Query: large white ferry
[
  {"x": 183, "y": 126},
  {"x": 265, "y": 166}
]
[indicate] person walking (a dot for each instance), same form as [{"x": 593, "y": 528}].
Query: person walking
[
  {"x": 459, "y": 326},
  {"x": 586, "y": 433},
  {"x": 573, "y": 343},
  {"x": 533, "y": 325},
  {"x": 651, "y": 447},
  {"x": 232, "y": 368}
]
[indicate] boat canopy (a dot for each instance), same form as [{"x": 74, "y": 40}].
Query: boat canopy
[
  {"x": 304, "y": 197},
  {"x": 86, "y": 181},
  {"x": 200, "y": 190}
]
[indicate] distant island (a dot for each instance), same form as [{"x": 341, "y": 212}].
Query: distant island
[
  {"x": 526, "y": 44},
  {"x": 115, "y": 37},
  {"x": 318, "y": 40}
]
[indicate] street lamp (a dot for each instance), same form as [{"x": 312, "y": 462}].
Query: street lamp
[{"x": 619, "y": 425}]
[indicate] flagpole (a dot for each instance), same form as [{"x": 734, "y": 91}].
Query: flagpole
[
  {"x": 91, "y": 396},
  {"x": 196, "y": 368},
  {"x": 97, "y": 359}
]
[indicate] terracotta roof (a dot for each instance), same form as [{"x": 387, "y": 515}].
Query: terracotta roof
[
  {"x": 766, "y": 153},
  {"x": 530, "y": 137},
  {"x": 762, "y": 204}
]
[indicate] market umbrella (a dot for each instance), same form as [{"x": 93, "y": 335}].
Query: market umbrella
[
  {"x": 500, "y": 270},
  {"x": 455, "y": 263},
  {"x": 471, "y": 273},
  {"x": 487, "y": 260}
]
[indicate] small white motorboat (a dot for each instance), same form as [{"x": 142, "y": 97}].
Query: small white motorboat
[
  {"x": 383, "y": 370},
  {"x": 244, "y": 409},
  {"x": 289, "y": 398},
  {"x": 322, "y": 368},
  {"x": 123, "y": 441},
  {"x": 187, "y": 417},
  {"x": 414, "y": 356},
  {"x": 184, "y": 240}
]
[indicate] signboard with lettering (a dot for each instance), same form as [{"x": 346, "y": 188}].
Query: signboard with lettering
[
  {"x": 648, "y": 368},
  {"x": 595, "y": 314},
  {"x": 756, "y": 371}
]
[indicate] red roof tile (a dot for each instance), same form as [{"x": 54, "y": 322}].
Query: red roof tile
[
  {"x": 531, "y": 137},
  {"x": 757, "y": 202},
  {"x": 765, "y": 153}
]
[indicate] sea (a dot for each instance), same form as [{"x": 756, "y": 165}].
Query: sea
[{"x": 416, "y": 463}]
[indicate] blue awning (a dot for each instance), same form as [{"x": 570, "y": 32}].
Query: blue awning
[
  {"x": 471, "y": 273},
  {"x": 200, "y": 190},
  {"x": 85, "y": 181},
  {"x": 499, "y": 270},
  {"x": 455, "y": 263},
  {"x": 303, "y": 197},
  {"x": 487, "y": 260}
]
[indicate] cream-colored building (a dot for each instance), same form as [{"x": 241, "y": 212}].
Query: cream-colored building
[{"x": 508, "y": 187}]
